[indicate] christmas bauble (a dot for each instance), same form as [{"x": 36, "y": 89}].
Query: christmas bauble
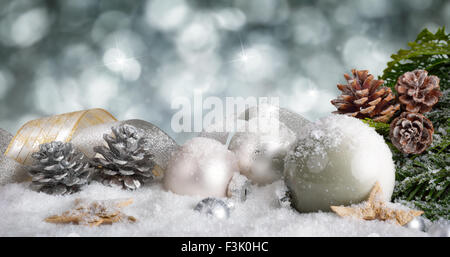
[
  {"x": 418, "y": 223},
  {"x": 202, "y": 166},
  {"x": 337, "y": 161},
  {"x": 213, "y": 207},
  {"x": 5, "y": 138},
  {"x": 12, "y": 171},
  {"x": 261, "y": 155}
]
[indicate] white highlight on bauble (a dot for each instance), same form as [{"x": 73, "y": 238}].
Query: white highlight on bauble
[
  {"x": 200, "y": 167},
  {"x": 337, "y": 162}
]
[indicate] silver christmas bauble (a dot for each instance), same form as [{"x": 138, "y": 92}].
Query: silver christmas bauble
[
  {"x": 5, "y": 138},
  {"x": 337, "y": 161},
  {"x": 261, "y": 155},
  {"x": 11, "y": 171},
  {"x": 213, "y": 207},
  {"x": 418, "y": 223},
  {"x": 202, "y": 167},
  {"x": 440, "y": 228}
]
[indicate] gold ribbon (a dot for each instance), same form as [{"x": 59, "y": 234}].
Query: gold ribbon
[{"x": 54, "y": 128}]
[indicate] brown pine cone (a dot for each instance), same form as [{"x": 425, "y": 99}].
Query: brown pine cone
[
  {"x": 362, "y": 97},
  {"x": 418, "y": 92},
  {"x": 411, "y": 133}
]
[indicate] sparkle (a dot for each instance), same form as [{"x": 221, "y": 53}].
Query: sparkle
[
  {"x": 244, "y": 57},
  {"x": 118, "y": 59}
]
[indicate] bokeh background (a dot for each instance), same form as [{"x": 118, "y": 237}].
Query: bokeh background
[{"x": 133, "y": 57}]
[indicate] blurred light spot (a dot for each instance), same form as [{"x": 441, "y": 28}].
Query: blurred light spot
[
  {"x": 197, "y": 36},
  {"x": 119, "y": 55},
  {"x": 6, "y": 80},
  {"x": 305, "y": 97},
  {"x": 99, "y": 90},
  {"x": 230, "y": 18},
  {"x": 166, "y": 15},
  {"x": 361, "y": 53},
  {"x": 311, "y": 26},
  {"x": 257, "y": 63},
  {"x": 264, "y": 11},
  {"x": 419, "y": 4},
  {"x": 108, "y": 22},
  {"x": 116, "y": 60},
  {"x": 324, "y": 68},
  {"x": 446, "y": 13},
  {"x": 78, "y": 56},
  {"x": 30, "y": 27},
  {"x": 345, "y": 15},
  {"x": 373, "y": 8}
]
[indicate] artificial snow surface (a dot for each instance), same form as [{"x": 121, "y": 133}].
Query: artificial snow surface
[{"x": 162, "y": 213}]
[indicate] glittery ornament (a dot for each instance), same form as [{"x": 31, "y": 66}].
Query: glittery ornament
[
  {"x": 11, "y": 171},
  {"x": 261, "y": 155},
  {"x": 336, "y": 162},
  {"x": 213, "y": 207},
  {"x": 5, "y": 138},
  {"x": 202, "y": 166}
]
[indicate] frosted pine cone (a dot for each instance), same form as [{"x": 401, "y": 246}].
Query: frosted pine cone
[
  {"x": 62, "y": 169},
  {"x": 411, "y": 133},
  {"x": 127, "y": 161},
  {"x": 362, "y": 97},
  {"x": 417, "y": 91}
]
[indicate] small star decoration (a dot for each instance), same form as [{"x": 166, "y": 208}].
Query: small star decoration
[
  {"x": 94, "y": 213},
  {"x": 376, "y": 208}
]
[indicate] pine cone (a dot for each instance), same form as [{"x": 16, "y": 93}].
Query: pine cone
[
  {"x": 411, "y": 133},
  {"x": 62, "y": 169},
  {"x": 126, "y": 162},
  {"x": 418, "y": 92},
  {"x": 362, "y": 98}
]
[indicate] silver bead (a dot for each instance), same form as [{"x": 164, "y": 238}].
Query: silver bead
[
  {"x": 213, "y": 207},
  {"x": 440, "y": 228},
  {"x": 418, "y": 223},
  {"x": 238, "y": 188}
]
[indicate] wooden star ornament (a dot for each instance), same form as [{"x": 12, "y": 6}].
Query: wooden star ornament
[
  {"x": 94, "y": 213},
  {"x": 376, "y": 208}
]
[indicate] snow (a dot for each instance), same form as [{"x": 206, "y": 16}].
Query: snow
[{"x": 161, "y": 213}]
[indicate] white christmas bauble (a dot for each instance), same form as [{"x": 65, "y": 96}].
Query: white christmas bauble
[
  {"x": 202, "y": 167},
  {"x": 337, "y": 162},
  {"x": 261, "y": 155}
]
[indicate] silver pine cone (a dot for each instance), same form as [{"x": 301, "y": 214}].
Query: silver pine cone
[
  {"x": 127, "y": 161},
  {"x": 60, "y": 169}
]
